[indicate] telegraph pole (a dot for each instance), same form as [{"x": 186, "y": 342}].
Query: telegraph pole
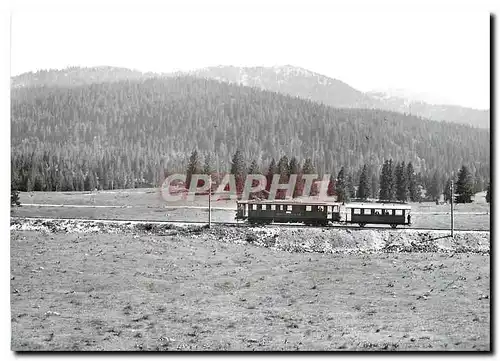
[
  {"x": 210, "y": 203},
  {"x": 210, "y": 187},
  {"x": 451, "y": 202}
]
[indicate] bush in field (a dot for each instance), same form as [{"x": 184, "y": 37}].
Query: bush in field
[{"x": 14, "y": 198}]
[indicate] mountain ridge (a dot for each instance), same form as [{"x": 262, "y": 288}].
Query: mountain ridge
[{"x": 285, "y": 79}]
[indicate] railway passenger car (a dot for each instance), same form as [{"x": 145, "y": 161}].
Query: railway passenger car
[
  {"x": 266, "y": 212},
  {"x": 376, "y": 213}
]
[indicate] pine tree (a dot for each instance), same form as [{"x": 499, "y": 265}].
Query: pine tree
[
  {"x": 37, "y": 184},
  {"x": 401, "y": 182},
  {"x": 308, "y": 167},
  {"x": 238, "y": 163},
  {"x": 331, "y": 186},
  {"x": 81, "y": 182},
  {"x": 238, "y": 170},
  {"x": 14, "y": 195},
  {"x": 192, "y": 168},
  {"x": 89, "y": 184},
  {"x": 413, "y": 190},
  {"x": 293, "y": 167},
  {"x": 207, "y": 166},
  {"x": 364, "y": 185},
  {"x": 488, "y": 193},
  {"x": 478, "y": 184},
  {"x": 351, "y": 191},
  {"x": 374, "y": 185},
  {"x": 341, "y": 187},
  {"x": 283, "y": 169},
  {"x": 391, "y": 181},
  {"x": 434, "y": 190},
  {"x": 464, "y": 189},
  {"x": 29, "y": 186},
  {"x": 272, "y": 170},
  {"x": 384, "y": 194},
  {"x": 254, "y": 168}
]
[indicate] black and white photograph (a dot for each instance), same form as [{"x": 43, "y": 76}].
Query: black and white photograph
[{"x": 250, "y": 176}]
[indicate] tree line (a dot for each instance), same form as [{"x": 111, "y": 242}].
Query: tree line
[{"x": 394, "y": 182}]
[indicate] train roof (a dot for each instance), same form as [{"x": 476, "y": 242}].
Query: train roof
[{"x": 378, "y": 206}]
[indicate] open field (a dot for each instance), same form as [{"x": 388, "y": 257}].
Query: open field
[
  {"x": 147, "y": 204},
  {"x": 168, "y": 288},
  {"x": 152, "y": 197}
]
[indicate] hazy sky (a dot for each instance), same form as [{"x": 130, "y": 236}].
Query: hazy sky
[{"x": 445, "y": 54}]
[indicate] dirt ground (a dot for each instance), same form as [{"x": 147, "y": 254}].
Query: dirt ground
[{"x": 74, "y": 287}]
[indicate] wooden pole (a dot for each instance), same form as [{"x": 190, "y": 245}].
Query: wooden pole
[
  {"x": 210, "y": 203},
  {"x": 451, "y": 202}
]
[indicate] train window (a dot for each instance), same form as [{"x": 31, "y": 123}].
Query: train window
[
  {"x": 367, "y": 211},
  {"x": 308, "y": 208},
  {"x": 289, "y": 208},
  {"x": 273, "y": 207},
  {"x": 264, "y": 207},
  {"x": 378, "y": 212},
  {"x": 254, "y": 207},
  {"x": 399, "y": 212},
  {"x": 357, "y": 211}
]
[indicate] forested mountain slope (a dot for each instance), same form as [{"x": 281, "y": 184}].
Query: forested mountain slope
[
  {"x": 293, "y": 81},
  {"x": 306, "y": 84},
  {"x": 287, "y": 79},
  {"x": 76, "y": 76},
  {"x": 126, "y": 133},
  {"x": 451, "y": 113}
]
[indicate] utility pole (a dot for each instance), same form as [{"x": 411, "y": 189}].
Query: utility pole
[
  {"x": 210, "y": 187},
  {"x": 210, "y": 202},
  {"x": 451, "y": 202}
]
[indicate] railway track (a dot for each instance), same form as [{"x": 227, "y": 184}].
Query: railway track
[{"x": 241, "y": 224}]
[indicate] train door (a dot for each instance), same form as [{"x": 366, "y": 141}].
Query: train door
[
  {"x": 335, "y": 215},
  {"x": 348, "y": 214},
  {"x": 241, "y": 211},
  {"x": 407, "y": 215}
]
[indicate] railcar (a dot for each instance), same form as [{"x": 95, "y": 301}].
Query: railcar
[
  {"x": 322, "y": 213},
  {"x": 373, "y": 213},
  {"x": 266, "y": 212}
]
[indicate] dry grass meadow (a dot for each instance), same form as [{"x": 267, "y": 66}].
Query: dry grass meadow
[{"x": 223, "y": 290}]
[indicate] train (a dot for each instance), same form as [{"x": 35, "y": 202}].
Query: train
[{"x": 322, "y": 213}]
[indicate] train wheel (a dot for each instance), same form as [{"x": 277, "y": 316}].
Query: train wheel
[
  {"x": 394, "y": 226},
  {"x": 362, "y": 224}
]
